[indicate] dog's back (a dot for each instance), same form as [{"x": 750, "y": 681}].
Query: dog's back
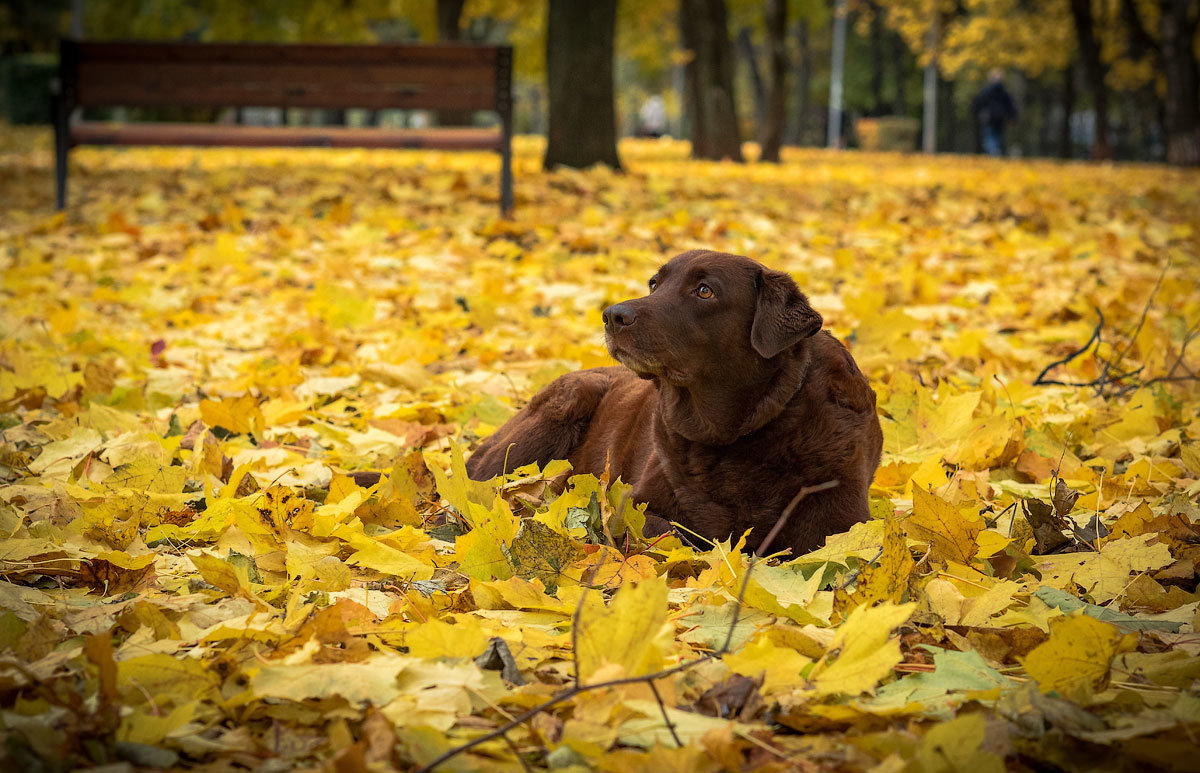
[{"x": 591, "y": 417}]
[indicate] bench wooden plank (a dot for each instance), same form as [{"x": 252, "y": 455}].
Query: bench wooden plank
[
  {"x": 299, "y": 53},
  {"x": 458, "y": 138},
  {"x": 126, "y": 84}
]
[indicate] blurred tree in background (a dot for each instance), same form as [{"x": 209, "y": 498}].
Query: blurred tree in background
[
  {"x": 1091, "y": 78},
  {"x": 709, "y": 79},
  {"x": 579, "y": 65},
  {"x": 1136, "y": 58}
]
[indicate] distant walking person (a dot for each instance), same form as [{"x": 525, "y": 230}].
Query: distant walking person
[
  {"x": 653, "y": 117},
  {"x": 994, "y": 109}
]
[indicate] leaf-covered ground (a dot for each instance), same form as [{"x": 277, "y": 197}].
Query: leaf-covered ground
[{"x": 201, "y": 349}]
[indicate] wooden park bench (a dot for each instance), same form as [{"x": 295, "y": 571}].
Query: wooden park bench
[{"x": 218, "y": 75}]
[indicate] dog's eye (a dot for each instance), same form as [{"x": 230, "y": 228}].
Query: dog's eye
[
  {"x": 704, "y": 291},
  {"x": 653, "y": 283}
]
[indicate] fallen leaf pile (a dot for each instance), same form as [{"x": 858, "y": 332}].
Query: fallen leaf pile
[{"x": 203, "y": 348}]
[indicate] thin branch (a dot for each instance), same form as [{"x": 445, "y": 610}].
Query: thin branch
[
  {"x": 761, "y": 551},
  {"x": 1041, "y": 379},
  {"x": 1120, "y": 383},
  {"x": 557, "y": 699},
  {"x": 795, "y": 763},
  {"x": 737, "y": 609},
  {"x": 853, "y": 576},
  {"x": 683, "y": 537},
  {"x": 575, "y": 634},
  {"x": 787, "y": 513},
  {"x": 649, "y": 679},
  {"x": 666, "y": 718},
  {"x": 1137, "y": 328},
  {"x": 517, "y": 753},
  {"x": 1179, "y": 363}
]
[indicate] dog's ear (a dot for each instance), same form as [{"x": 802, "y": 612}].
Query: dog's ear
[{"x": 782, "y": 316}]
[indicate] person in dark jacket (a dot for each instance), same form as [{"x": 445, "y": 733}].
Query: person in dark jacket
[{"x": 993, "y": 108}]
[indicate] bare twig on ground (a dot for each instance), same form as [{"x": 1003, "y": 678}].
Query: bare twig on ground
[
  {"x": 666, "y": 718},
  {"x": 1113, "y": 382},
  {"x": 578, "y": 688},
  {"x": 1108, "y": 364},
  {"x": 1173, "y": 374},
  {"x": 1041, "y": 379}
]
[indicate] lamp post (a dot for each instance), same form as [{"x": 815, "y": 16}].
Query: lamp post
[{"x": 833, "y": 135}]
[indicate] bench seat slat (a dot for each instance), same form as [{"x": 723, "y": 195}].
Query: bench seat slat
[
  {"x": 298, "y": 53},
  {"x": 468, "y": 138},
  {"x": 207, "y": 84}
]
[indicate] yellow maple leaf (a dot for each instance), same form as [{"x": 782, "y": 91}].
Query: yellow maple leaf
[
  {"x": 1074, "y": 662},
  {"x": 151, "y": 727},
  {"x": 538, "y": 551},
  {"x": 1139, "y": 419},
  {"x": 387, "y": 560},
  {"x": 936, "y": 521},
  {"x": 238, "y": 415},
  {"x": 57, "y": 458},
  {"x": 865, "y": 652},
  {"x": 481, "y": 551},
  {"x": 371, "y": 682},
  {"x": 957, "y": 745},
  {"x": 36, "y": 370},
  {"x": 439, "y": 639},
  {"x": 885, "y": 579},
  {"x": 229, "y": 577},
  {"x": 609, "y": 568},
  {"x": 628, "y": 633},
  {"x": 160, "y": 678},
  {"x": 780, "y": 667}
]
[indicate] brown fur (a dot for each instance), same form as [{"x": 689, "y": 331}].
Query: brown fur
[{"x": 725, "y": 408}]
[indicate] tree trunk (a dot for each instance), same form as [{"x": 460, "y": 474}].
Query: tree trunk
[
  {"x": 536, "y": 114},
  {"x": 449, "y": 12},
  {"x": 803, "y": 84},
  {"x": 1045, "y": 129},
  {"x": 709, "y": 77},
  {"x": 746, "y": 48},
  {"x": 1148, "y": 105},
  {"x": 948, "y": 135},
  {"x": 579, "y": 72},
  {"x": 770, "y": 134},
  {"x": 1177, "y": 31},
  {"x": 1064, "y": 135},
  {"x": 899, "y": 101},
  {"x": 929, "y": 96},
  {"x": 1139, "y": 39},
  {"x": 1017, "y": 142},
  {"x": 877, "y": 107},
  {"x": 1094, "y": 70}
]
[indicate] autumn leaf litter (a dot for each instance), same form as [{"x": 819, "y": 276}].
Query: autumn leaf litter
[{"x": 202, "y": 350}]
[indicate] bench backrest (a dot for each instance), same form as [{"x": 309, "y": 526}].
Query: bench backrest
[{"x": 386, "y": 76}]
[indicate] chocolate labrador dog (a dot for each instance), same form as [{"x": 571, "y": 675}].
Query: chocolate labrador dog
[{"x": 730, "y": 401}]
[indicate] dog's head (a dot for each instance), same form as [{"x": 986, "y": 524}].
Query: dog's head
[{"x": 710, "y": 316}]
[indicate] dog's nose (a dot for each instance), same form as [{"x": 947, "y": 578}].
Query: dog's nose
[{"x": 618, "y": 316}]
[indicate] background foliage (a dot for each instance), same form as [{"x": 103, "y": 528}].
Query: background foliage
[
  {"x": 199, "y": 352},
  {"x": 887, "y": 47}
]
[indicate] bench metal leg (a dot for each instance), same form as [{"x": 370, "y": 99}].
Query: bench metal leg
[
  {"x": 62, "y": 148},
  {"x": 506, "y": 179},
  {"x": 62, "y": 139},
  {"x": 504, "y": 106},
  {"x": 63, "y": 106}
]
